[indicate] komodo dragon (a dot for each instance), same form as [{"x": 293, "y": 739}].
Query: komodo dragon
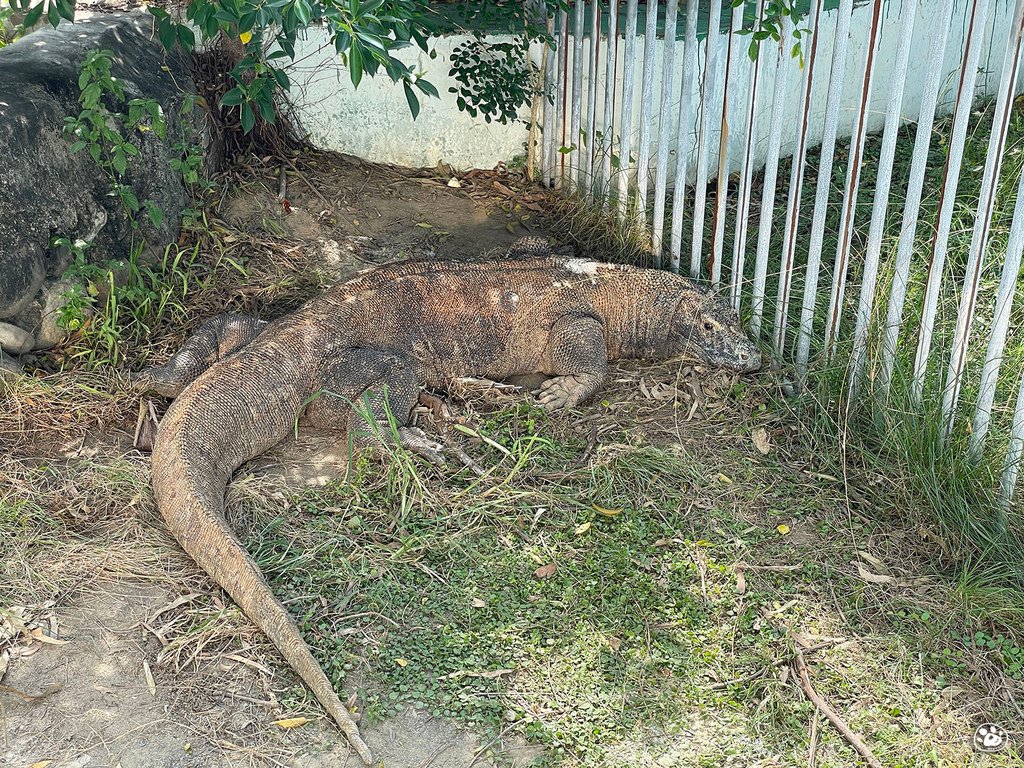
[{"x": 242, "y": 383}]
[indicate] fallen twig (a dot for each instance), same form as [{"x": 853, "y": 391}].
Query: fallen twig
[
  {"x": 800, "y": 667},
  {"x": 812, "y": 752}
]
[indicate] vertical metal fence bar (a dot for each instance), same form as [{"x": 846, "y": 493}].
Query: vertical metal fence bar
[
  {"x": 534, "y": 154},
  {"x": 626, "y": 128},
  {"x": 661, "y": 167},
  {"x": 796, "y": 185},
  {"x": 883, "y": 183},
  {"x": 853, "y": 169},
  {"x": 983, "y": 219},
  {"x": 732, "y": 62},
  {"x": 1014, "y": 454},
  {"x": 824, "y": 184},
  {"x": 550, "y": 77},
  {"x": 564, "y": 105},
  {"x": 608, "y": 137},
  {"x": 771, "y": 172},
  {"x": 643, "y": 159},
  {"x": 575, "y": 142},
  {"x": 912, "y": 207},
  {"x": 1000, "y": 325},
  {"x": 739, "y": 246},
  {"x": 683, "y": 134},
  {"x": 947, "y": 197},
  {"x": 700, "y": 189},
  {"x": 590, "y": 155}
]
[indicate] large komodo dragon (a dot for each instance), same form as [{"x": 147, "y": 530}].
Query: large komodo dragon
[{"x": 242, "y": 383}]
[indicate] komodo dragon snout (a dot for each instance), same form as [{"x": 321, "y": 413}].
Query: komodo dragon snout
[{"x": 712, "y": 331}]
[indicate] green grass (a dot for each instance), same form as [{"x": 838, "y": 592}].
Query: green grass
[
  {"x": 899, "y": 439},
  {"x": 640, "y": 646}
]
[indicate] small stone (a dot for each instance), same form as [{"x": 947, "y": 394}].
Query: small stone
[
  {"x": 10, "y": 368},
  {"x": 15, "y": 340}
]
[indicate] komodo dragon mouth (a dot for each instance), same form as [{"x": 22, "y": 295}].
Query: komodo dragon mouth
[{"x": 241, "y": 383}]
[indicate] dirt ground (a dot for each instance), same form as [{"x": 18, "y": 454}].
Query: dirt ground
[
  {"x": 667, "y": 628},
  {"x": 103, "y": 697}
]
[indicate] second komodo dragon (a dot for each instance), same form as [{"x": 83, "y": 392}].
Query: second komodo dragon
[{"x": 241, "y": 384}]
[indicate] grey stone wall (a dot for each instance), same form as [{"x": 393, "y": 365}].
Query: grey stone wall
[{"x": 46, "y": 192}]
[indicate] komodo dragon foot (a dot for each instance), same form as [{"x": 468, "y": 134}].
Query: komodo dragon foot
[
  {"x": 415, "y": 440},
  {"x": 564, "y": 391}
]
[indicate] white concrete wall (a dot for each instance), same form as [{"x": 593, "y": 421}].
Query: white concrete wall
[{"x": 373, "y": 122}]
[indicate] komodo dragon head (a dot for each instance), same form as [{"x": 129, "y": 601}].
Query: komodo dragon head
[{"x": 706, "y": 325}]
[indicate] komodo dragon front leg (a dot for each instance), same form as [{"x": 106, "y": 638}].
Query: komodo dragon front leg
[
  {"x": 579, "y": 360},
  {"x": 216, "y": 339},
  {"x": 372, "y": 389}
]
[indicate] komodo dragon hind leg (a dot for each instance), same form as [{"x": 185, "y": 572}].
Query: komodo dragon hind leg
[
  {"x": 216, "y": 339},
  {"x": 580, "y": 361},
  {"x": 373, "y": 392}
]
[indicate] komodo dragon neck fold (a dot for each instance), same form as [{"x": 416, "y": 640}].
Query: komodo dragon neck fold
[{"x": 241, "y": 383}]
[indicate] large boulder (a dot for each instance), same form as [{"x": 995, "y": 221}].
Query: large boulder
[{"x": 45, "y": 191}]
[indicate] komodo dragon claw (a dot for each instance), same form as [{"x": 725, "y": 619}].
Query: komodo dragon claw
[{"x": 415, "y": 439}]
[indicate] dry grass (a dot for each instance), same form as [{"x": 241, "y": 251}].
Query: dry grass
[{"x": 706, "y": 467}]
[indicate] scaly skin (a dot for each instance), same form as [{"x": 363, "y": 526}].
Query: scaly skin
[{"x": 243, "y": 384}]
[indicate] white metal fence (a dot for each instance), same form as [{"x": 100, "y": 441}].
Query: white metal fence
[{"x": 653, "y": 122}]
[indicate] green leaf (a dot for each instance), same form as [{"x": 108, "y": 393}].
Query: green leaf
[
  {"x": 232, "y": 98},
  {"x": 165, "y": 30},
  {"x": 410, "y": 98},
  {"x": 753, "y": 50},
  {"x": 131, "y": 202},
  {"x": 186, "y": 38},
  {"x": 302, "y": 12},
  {"x": 355, "y": 63},
  {"x": 155, "y": 213},
  {"x": 428, "y": 88},
  {"x": 66, "y": 10},
  {"x": 248, "y": 118},
  {"x": 33, "y": 16},
  {"x": 282, "y": 78},
  {"x": 267, "y": 109}
]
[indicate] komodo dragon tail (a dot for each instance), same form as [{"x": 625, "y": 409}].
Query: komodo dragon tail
[{"x": 215, "y": 426}]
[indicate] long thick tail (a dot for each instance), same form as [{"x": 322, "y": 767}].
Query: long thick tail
[{"x": 191, "y": 467}]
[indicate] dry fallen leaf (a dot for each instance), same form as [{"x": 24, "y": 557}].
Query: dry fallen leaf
[
  {"x": 741, "y": 579},
  {"x": 291, "y": 722},
  {"x": 581, "y": 529},
  {"x": 873, "y": 578},
  {"x": 605, "y": 511},
  {"x": 760, "y": 439},
  {"x": 38, "y": 634},
  {"x": 614, "y": 643},
  {"x": 783, "y": 529},
  {"x": 478, "y": 603},
  {"x": 150, "y": 682},
  {"x": 402, "y": 662},
  {"x": 453, "y": 182},
  {"x": 724, "y": 478},
  {"x": 41, "y": 764},
  {"x": 545, "y": 571}
]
